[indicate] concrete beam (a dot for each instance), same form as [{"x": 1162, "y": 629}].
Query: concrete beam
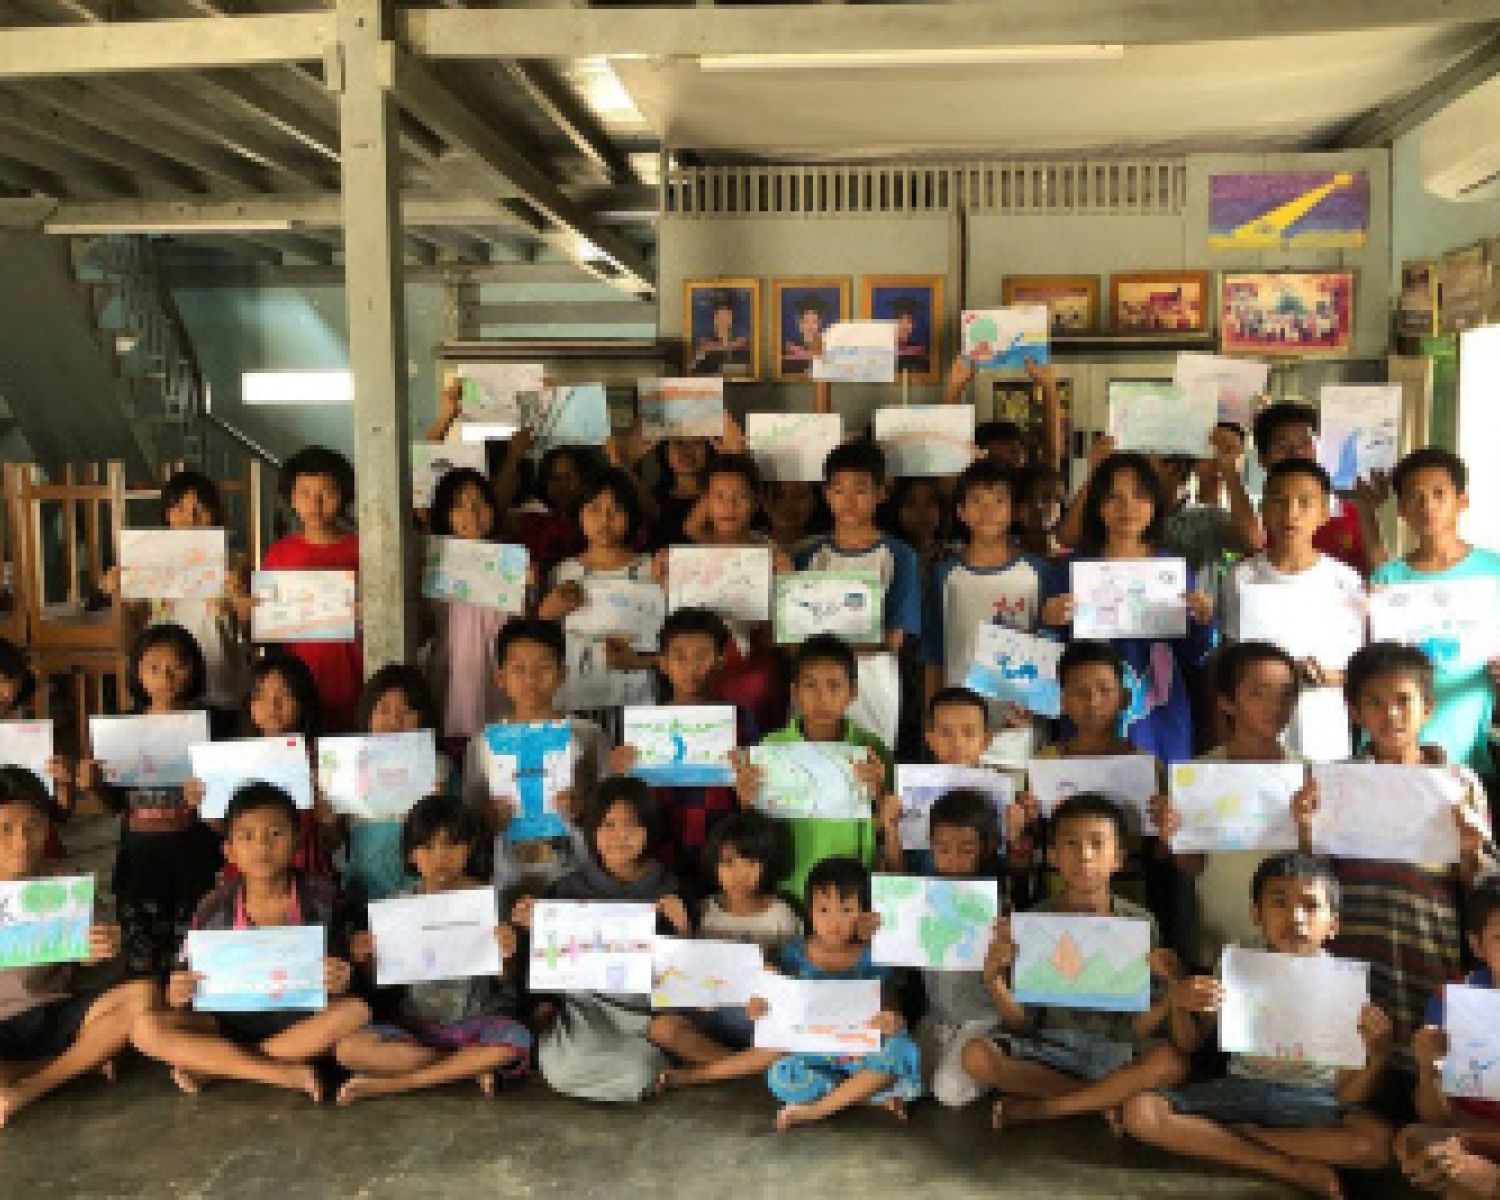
[
  {"x": 573, "y": 118},
  {"x": 200, "y": 276},
  {"x": 81, "y": 176},
  {"x": 1383, "y": 125},
  {"x": 562, "y": 312}
]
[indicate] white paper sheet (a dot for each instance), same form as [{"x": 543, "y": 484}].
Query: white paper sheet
[
  {"x": 491, "y": 391},
  {"x": 919, "y": 785},
  {"x": 1452, "y": 622},
  {"x": 1297, "y": 1008},
  {"x": 682, "y": 745},
  {"x": 1325, "y": 624},
  {"x": 612, "y": 608},
  {"x": 1017, "y": 667},
  {"x": 1387, "y": 813},
  {"x": 998, "y": 338},
  {"x": 1068, "y": 960},
  {"x": 28, "y": 744},
  {"x": 1236, "y": 381},
  {"x": 303, "y": 606},
  {"x": 1235, "y": 806},
  {"x": 592, "y": 947},
  {"x": 936, "y": 924},
  {"x": 1130, "y": 598},
  {"x": 791, "y": 447},
  {"x": 485, "y": 573},
  {"x": 702, "y": 973},
  {"x": 733, "y": 581},
  {"x": 857, "y": 352},
  {"x": 1127, "y": 779},
  {"x": 877, "y": 696},
  {"x": 1162, "y": 418},
  {"x": 818, "y": 1016},
  {"x": 849, "y": 604},
  {"x": 442, "y": 935},
  {"x": 150, "y": 751},
  {"x": 1319, "y": 731},
  {"x": 1471, "y": 1018},
  {"x": 222, "y": 767},
  {"x": 682, "y": 408},
  {"x": 45, "y": 920},
  {"x": 810, "y": 779},
  {"x": 271, "y": 969},
  {"x": 430, "y": 461},
  {"x": 171, "y": 564},
  {"x": 1359, "y": 430},
  {"x": 926, "y": 439},
  {"x": 378, "y": 776}
]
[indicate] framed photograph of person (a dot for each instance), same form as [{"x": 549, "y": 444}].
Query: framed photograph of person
[
  {"x": 915, "y": 303},
  {"x": 1072, "y": 300},
  {"x": 1302, "y": 313},
  {"x": 802, "y": 309},
  {"x": 1160, "y": 302},
  {"x": 723, "y": 328}
]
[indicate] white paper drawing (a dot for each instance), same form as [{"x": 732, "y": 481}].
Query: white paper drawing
[
  {"x": 936, "y": 924},
  {"x": 1387, "y": 813},
  {"x": 702, "y": 973},
  {"x": 612, "y": 608},
  {"x": 1236, "y": 382},
  {"x": 28, "y": 744},
  {"x": 682, "y": 745},
  {"x": 530, "y": 764},
  {"x": 857, "y": 352},
  {"x": 492, "y": 391},
  {"x": 1161, "y": 418},
  {"x": 592, "y": 947},
  {"x": 1235, "y": 806},
  {"x": 223, "y": 767},
  {"x": 926, "y": 439},
  {"x": 877, "y": 698},
  {"x": 1017, "y": 667},
  {"x": 378, "y": 776},
  {"x": 682, "y": 408},
  {"x": 1359, "y": 430},
  {"x": 1323, "y": 624},
  {"x": 919, "y": 785},
  {"x": 850, "y": 604},
  {"x": 818, "y": 1016},
  {"x": 149, "y": 751},
  {"x": 439, "y": 935},
  {"x": 1471, "y": 1018},
  {"x": 1127, "y": 779},
  {"x": 791, "y": 447},
  {"x": 1130, "y": 598},
  {"x": 484, "y": 573},
  {"x": 733, "y": 581},
  {"x": 172, "y": 564},
  {"x": 1293, "y": 1007},
  {"x": 303, "y": 606},
  {"x": 430, "y": 461},
  {"x": 997, "y": 338},
  {"x": 1064, "y": 960},
  {"x": 1452, "y": 621},
  {"x": 810, "y": 779}
]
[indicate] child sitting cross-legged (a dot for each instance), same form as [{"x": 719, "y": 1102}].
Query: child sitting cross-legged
[{"x": 1295, "y": 1121}]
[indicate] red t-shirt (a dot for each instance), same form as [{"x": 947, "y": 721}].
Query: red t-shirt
[
  {"x": 1341, "y": 538},
  {"x": 338, "y": 668}
]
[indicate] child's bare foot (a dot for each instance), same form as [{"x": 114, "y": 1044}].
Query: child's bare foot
[
  {"x": 12, "y": 1101},
  {"x": 187, "y": 1082},
  {"x": 895, "y": 1106},
  {"x": 795, "y": 1114},
  {"x": 358, "y": 1087},
  {"x": 1115, "y": 1119},
  {"x": 304, "y": 1078},
  {"x": 486, "y": 1083},
  {"x": 1316, "y": 1178}
]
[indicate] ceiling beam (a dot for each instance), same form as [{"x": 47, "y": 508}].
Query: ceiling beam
[
  {"x": 564, "y": 31},
  {"x": 458, "y": 244},
  {"x": 562, "y": 312},
  {"x": 187, "y": 274},
  {"x": 82, "y": 176},
  {"x": 248, "y": 95},
  {"x": 1382, "y": 126},
  {"x": 550, "y": 93}
]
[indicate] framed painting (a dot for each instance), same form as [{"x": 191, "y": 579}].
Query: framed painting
[
  {"x": 801, "y": 310},
  {"x": 1289, "y": 210},
  {"x": 1287, "y": 313},
  {"x": 915, "y": 303},
  {"x": 723, "y": 328},
  {"x": 1159, "y": 302},
  {"x": 1417, "y": 311},
  {"x": 1072, "y": 300}
]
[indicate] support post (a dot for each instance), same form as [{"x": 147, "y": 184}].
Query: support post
[{"x": 377, "y": 333}]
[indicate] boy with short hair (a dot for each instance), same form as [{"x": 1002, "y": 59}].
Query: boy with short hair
[
  {"x": 278, "y": 1048},
  {"x": 1291, "y": 1120},
  {"x": 51, "y": 1030},
  {"x": 1431, "y": 487},
  {"x": 1049, "y": 1063}
]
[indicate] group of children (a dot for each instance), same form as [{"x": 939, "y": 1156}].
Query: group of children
[{"x": 714, "y": 866}]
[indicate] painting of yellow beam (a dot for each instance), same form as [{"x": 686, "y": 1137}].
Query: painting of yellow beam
[{"x": 1296, "y": 210}]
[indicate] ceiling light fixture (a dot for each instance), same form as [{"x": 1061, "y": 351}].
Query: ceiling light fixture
[{"x": 957, "y": 57}]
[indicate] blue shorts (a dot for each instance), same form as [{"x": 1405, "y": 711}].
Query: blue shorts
[
  {"x": 1235, "y": 1101},
  {"x": 729, "y": 1025},
  {"x": 1071, "y": 1051}
]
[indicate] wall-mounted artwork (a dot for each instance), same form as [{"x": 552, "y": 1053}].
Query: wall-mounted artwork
[
  {"x": 1289, "y": 210},
  {"x": 1464, "y": 279},
  {"x": 1287, "y": 313},
  {"x": 1417, "y": 312},
  {"x": 723, "y": 327},
  {"x": 1072, "y": 300},
  {"x": 915, "y": 303},
  {"x": 802, "y": 309},
  {"x": 1159, "y": 302}
]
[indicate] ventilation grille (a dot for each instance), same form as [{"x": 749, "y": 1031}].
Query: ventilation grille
[{"x": 1145, "y": 187}]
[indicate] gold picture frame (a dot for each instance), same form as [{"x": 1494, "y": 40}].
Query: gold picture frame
[
  {"x": 1161, "y": 302},
  {"x": 791, "y": 300},
  {"x": 917, "y": 302},
  {"x": 731, "y": 351},
  {"x": 1072, "y": 300}
]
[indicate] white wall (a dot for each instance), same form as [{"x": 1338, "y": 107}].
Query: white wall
[{"x": 1424, "y": 226}]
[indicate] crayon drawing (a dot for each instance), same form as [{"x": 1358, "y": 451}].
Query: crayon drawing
[
  {"x": 259, "y": 970},
  {"x": 701, "y": 973},
  {"x": 171, "y": 564},
  {"x": 682, "y": 746},
  {"x": 531, "y": 764},
  {"x": 45, "y": 920},
  {"x": 1130, "y": 598},
  {"x": 791, "y": 447},
  {"x": 934, "y": 924},
  {"x": 1452, "y": 622},
  {"x": 147, "y": 751},
  {"x": 1006, "y": 337},
  {"x": 857, "y": 352},
  {"x": 583, "y": 947},
  {"x": 1289, "y": 210},
  {"x": 847, "y": 603},
  {"x": 379, "y": 776},
  {"x": 1016, "y": 667},
  {"x": 926, "y": 439},
  {"x": 1162, "y": 418},
  {"x": 1067, "y": 961},
  {"x": 1293, "y": 1007},
  {"x": 681, "y": 408},
  {"x": 1235, "y": 806},
  {"x": 303, "y": 606},
  {"x": 492, "y": 391},
  {"x": 482, "y": 573},
  {"x": 1359, "y": 430},
  {"x": 222, "y": 767},
  {"x": 919, "y": 785},
  {"x": 1471, "y": 1018},
  {"x": 733, "y": 582},
  {"x": 810, "y": 779},
  {"x": 818, "y": 1016}
]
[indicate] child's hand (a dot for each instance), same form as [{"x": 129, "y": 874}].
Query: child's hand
[
  {"x": 109, "y": 582},
  {"x": 1103, "y": 446},
  {"x": 1196, "y": 994},
  {"x": 362, "y": 948},
  {"x": 870, "y": 773},
  {"x": 1305, "y": 808},
  {"x": 890, "y": 819},
  {"x": 866, "y": 926},
  {"x": 568, "y": 806},
  {"x": 1014, "y": 716},
  {"x": 1429, "y": 1045},
  {"x": 502, "y": 812},
  {"x": 622, "y": 759},
  {"x": 1019, "y": 814},
  {"x": 887, "y": 1023},
  {"x": 1165, "y": 964},
  {"x": 1058, "y": 610},
  {"x": 676, "y": 913},
  {"x": 756, "y": 1008},
  {"x": 1312, "y": 673},
  {"x": 322, "y": 809},
  {"x": 508, "y": 939},
  {"x": 781, "y": 562},
  {"x": 1168, "y": 820},
  {"x": 1000, "y": 955},
  {"x": 1369, "y": 494},
  {"x": 560, "y": 601},
  {"x": 90, "y": 775},
  {"x": 1376, "y": 1031},
  {"x": 733, "y": 441},
  {"x": 104, "y": 943},
  {"x": 961, "y": 373},
  {"x": 1473, "y": 830},
  {"x": 748, "y": 779},
  {"x": 1227, "y": 450},
  {"x": 520, "y": 913},
  {"x": 1200, "y": 606},
  {"x": 1038, "y": 373},
  {"x": 619, "y": 655},
  {"x": 659, "y": 567},
  {"x": 182, "y": 986},
  {"x": 60, "y": 771},
  {"x": 193, "y": 792},
  {"x": 336, "y": 976},
  {"x": 451, "y": 401}
]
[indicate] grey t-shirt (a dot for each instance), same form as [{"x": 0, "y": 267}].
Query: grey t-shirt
[{"x": 445, "y": 1001}]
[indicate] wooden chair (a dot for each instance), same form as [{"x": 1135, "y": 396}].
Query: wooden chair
[{"x": 15, "y": 566}]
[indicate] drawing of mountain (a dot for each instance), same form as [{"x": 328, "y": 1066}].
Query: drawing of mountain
[{"x": 1064, "y": 977}]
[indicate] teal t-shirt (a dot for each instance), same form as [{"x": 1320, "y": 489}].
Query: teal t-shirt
[{"x": 1465, "y": 697}]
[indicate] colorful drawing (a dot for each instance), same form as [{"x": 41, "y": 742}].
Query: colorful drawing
[
  {"x": 1452, "y": 622},
  {"x": 1417, "y": 310},
  {"x": 1289, "y": 210},
  {"x": 858, "y": 352},
  {"x": 681, "y": 408},
  {"x": 915, "y": 304},
  {"x": 850, "y": 604},
  {"x": 1327, "y": 625},
  {"x": 612, "y": 608},
  {"x": 584, "y": 947},
  {"x": 493, "y": 392},
  {"x": 223, "y": 767},
  {"x": 733, "y": 581},
  {"x": 531, "y": 763},
  {"x": 1127, "y": 779},
  {"x": 791, "y": 447},
  {"x": 28, "y": 744},
  {"x": 1162, "y": 418},
  {"x": 1069, "y": 961},
  {"x": 1072, "y": 301},
  {"x": 1293, "y": 1007},
  {"x": 45, "y": 920},
  {"x": 682, "y": 745},
  {"x": 818, "y": 1016},
  {"x": 440, "y": 935},
  {"x": 1359, "y": 430},
  {"x": 811, "y": 779},
  {"x": 484, "y": 573},
  {"x": 701, "y": 973},
  {"x": 926, "y": 439},
  {"x": 430, "y": 461},
  {"x": 1235, "y": 806},
  {"x": 259, "y": 970},
  {"x": 1285, "y": 313},
  {"x": 1471, "y": 1018},
  {"x": 171, "y": 564},
  {"x": 1159, "y": 302},
  {"x": 1016, "y": 667},
  {"x": 723, "y": 327},
  {"x": 1006, "y": 337},
  {"x": 378, "y": 776},
  {"x": 935, "y": 924},
  {"x": 1387, "y": 813},
  {"x": 303, "y": 606},
  {"x": 575, "y": 414},
  {"x": 148, "y": 751},
  {"x": 1136, "y": 598},
  {"x": 1237, "y": 382},
  {"x": 919, "y": 786},
  {"x": 803, "y": 309}
]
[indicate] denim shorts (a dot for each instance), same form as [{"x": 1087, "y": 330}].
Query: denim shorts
[
  {"x": 1071, "y": 1051},
  {"x": 1236, "y": 1101},
  {"x": 729, "y": 1025}
]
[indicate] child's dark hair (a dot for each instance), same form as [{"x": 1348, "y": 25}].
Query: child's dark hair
[
  {"x": 1091, "y": 806},
  {"x": 1122, "y": 462},
  {"x": 1269, "y": 421},
  {"x": 445, "y": 496},
  {"x": 983, "y": 472},
  {"x": 438, "y": 813},
  {"x": 1481, "y": 903},
  {"x": 1381, "y": 659},
  {"x": 741, "y": 466},
  {"x": 1430, "y": 458},
  {"x": 253, "y": 797},
  {"x": 690, "y": 622},
  {"x": 398, "y": 677},
  {"x": 846, "y": 877},
  {"x": 1236, "y": 661},
  {"x": 14, "y": 665},
  {"x": 19, "y": 785},
  {"x": 1303, "y": 467},
  {"x": 1088, "y": 652},
  {"x": 858, "y": 457},
  {"x": 319, "y": 460},
  {"x": 967, "y": 808},
  {"x": 192, "y": 483},
  {"x": 618, "y": 484},
  {"x": 826, "y": 648},
  {"x": 1304, "y": 868},
  {"x": 958, "y": 697},
  {"x": 632, "y": 792},
  {"x": 754, "y": 836},
  {"x": 180, "y": 640},
  {"x": 581, "y": 457},
  {"x": 888, "y": 515},
  {"x": 299, "y": 679},
  {"x": 1033, "y": 476},
  {"x": 998, "y": 431},
  {"x": 538, "y": 631}
]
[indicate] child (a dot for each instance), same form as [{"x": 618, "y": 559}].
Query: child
[
  {"x": 167, "y": 857},
  {"x": 531, "y": 653},
  {"x": 814, "y": 1086},
  {"x": 1431, "y": 488},
  {"x": 1294, "y": 1121},
  {"x": 17, "y": 688},
  {"x": 682, "y": 467},
  {"x": 1041, "y": 493},
  {"x": 318, "y": 485},
  {"x": 915, "y": 513},
  {"x": 824, "y": 672},
  {"x": 277, "y": 1048},
  {"x": 51, "y": 1030},
  {"x": 447, "y": 1029},
  {"x": 793, "y": 510},
  {"x": 599, "y": 1048},
  {"x": 1456, "y": 1147},
  {"x": 544, "y": 524},
  {"x": 1060, "y": 1062},
  {"x": 1002, "y": 443},
  {"x": 1294, "y": 507}
]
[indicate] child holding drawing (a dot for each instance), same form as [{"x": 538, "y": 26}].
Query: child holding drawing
[{"x": 17, "y": 687}]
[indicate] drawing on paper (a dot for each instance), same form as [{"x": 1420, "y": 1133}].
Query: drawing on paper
[
  {"x": 303, "y": 606},
  {"x": 1451, "y": 622},
  {"x": 926, "y": 439},
  {"x": 791, "y": 447},
  {"x": 45, "y": 920},
  {"x": 733, "y": 582},
  {"x": 1295, "y": 1008},
  {"x": 578, "y": 946},
  {"x": 1127, "y": 779},
  {"x": 996, "y": 338},
  {"x": 379, "y": 776},
  {"x": 858, "y": 352},
  {"x": 919, "y": 785},
  {"x": 147, "y": 751},
  {"x": 1358, "y": 430},
  {"x": 1235, "y": 806},
  {"x": 847, "y": 603},
  {"x": 531, "y": 763},
  {"x": 1157, "y": 417},
  {"x": 1387, "y": 813},
  {"x": 483, "y": 573},
  {"x": 935, "y": 924},
  {"x": 818, "y": 1016},
  {"x": 701, "y": 973},
  {"x": 1066, "y": 961},
  {"x": 221, "y": 767},
  {"x": 1289, "y": 210},
  {"x": 1016, "y": 667},
  {"x": 1130, "y": 599},
  {"x": 810, "y": 779},
  {"x": 430, "y": 461},
  {"x": 439, "y": 935},
  {"x": 687, "y": 746},
  {"x": 1236, "y": 382},
  {"x": 493, "y": 391},
  {"x": 258, "y": 970},
  {"x": 681, "y": 408},
  {"x": 28, "y": 744},
  {"x": 1471, "y": 1018},
  {"x": 171, "y": 564}
]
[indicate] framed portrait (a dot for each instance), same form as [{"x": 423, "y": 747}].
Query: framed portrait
[
  {"x": 915, "y": 303},
  {"x": 801, "y": 309},
  {"x": 1417, "y": 312},
  {"x": 1072, "y": 300},
  {"x": 723, "y": 328},
  {"x": 1291, "y": 313},
  {"x": 1159, "y": 302}
]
